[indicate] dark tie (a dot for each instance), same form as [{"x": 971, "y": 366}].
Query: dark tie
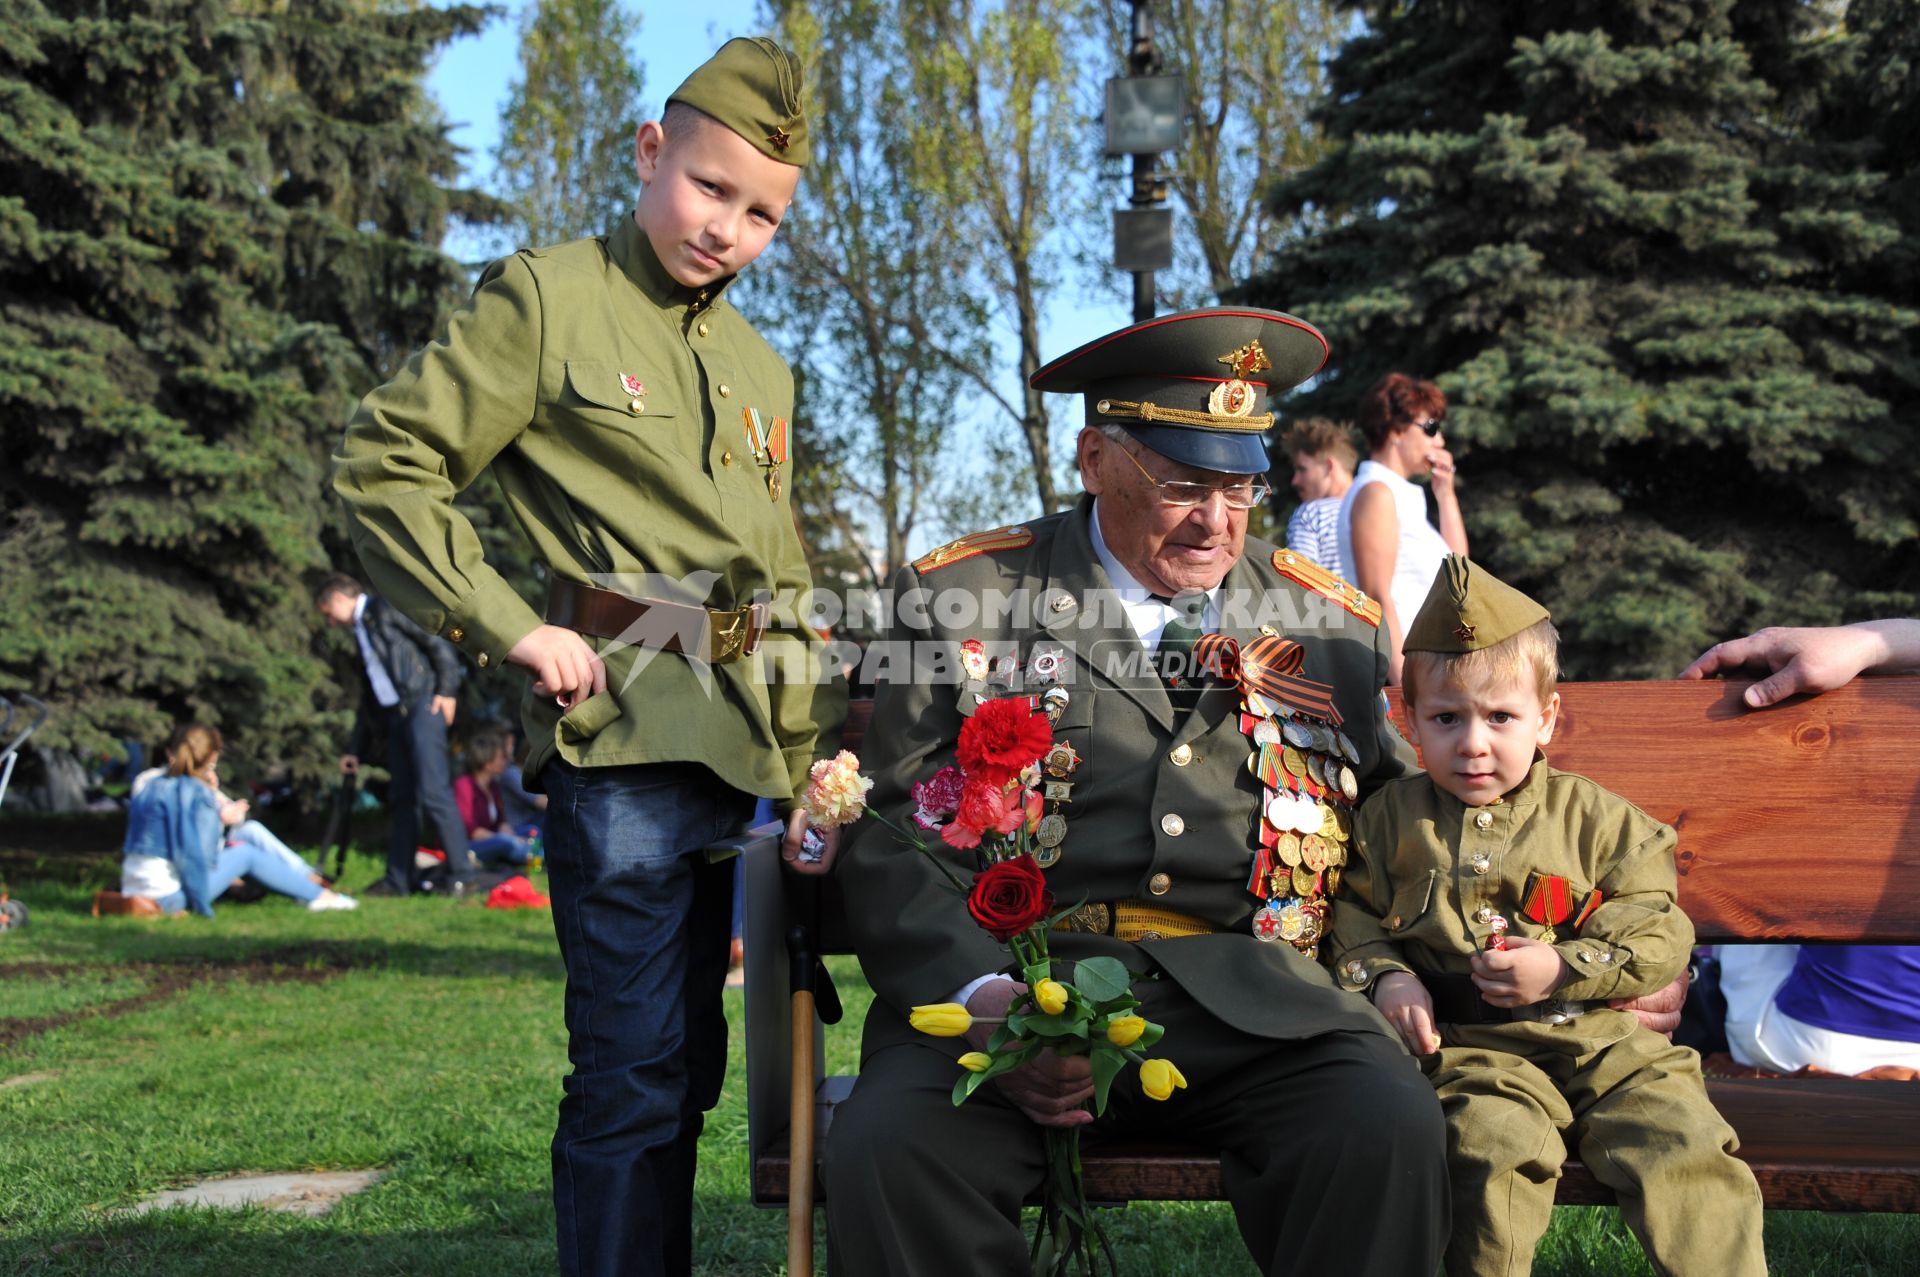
[{"x": 1174, "y": 656}]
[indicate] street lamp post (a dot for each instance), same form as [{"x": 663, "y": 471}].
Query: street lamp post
[{"x": 1144, "y": 110}]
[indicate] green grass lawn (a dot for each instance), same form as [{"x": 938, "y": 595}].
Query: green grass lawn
[{"x": 423, "y": 1037}]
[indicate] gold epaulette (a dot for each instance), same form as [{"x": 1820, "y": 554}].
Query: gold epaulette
[
  {"x": 1008, "y": 538},
  {"x": 1299, "y": 568}
]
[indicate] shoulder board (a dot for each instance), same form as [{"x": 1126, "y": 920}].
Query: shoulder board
[
  {"x": 1009, "y": 538},
  {"x": 1300, "y": 569}
]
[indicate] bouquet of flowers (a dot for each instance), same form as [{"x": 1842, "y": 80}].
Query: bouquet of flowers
[{"x": 987, "y": 810}]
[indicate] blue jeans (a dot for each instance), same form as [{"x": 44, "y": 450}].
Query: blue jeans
[
  {"x": 252, "y": 831},
  {"x": 643, "y": 922},
  {"x": 500, "y": 849},
  {"x": 269, "y": 868},
  {"x": 417, "y": 761}
]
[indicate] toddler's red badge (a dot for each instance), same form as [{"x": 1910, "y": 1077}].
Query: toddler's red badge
[{"x": 632, "y": 384}]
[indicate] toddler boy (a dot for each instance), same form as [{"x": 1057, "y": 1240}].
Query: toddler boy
[{"x": 1492, "y": 908}]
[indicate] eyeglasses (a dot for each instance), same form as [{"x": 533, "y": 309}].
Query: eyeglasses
[
  {"x": 1431, "y": 425},
  {"x": 1180, "y": 492}
]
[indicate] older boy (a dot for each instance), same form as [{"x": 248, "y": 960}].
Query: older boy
[
  {"x": 1323, "y": 458},
  {"x": 1492, "y": 906},
  {"x": 639, "y": 429}
]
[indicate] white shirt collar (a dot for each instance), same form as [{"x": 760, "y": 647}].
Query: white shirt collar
[{"x": 359, "y": 607}]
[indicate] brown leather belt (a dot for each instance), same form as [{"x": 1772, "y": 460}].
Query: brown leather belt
[
  {"x": 1134, "y": 921},
  {"x": 713, "y": 636}
]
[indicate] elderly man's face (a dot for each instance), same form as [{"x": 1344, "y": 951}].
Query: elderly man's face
[{"x": 1167, "y": 548}]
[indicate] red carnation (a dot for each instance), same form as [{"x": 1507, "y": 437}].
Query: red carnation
[
  {"x": 984, "y": 805},
  {"x": 1002, "y": 739},
  {"x": 1009, "y": 897}
]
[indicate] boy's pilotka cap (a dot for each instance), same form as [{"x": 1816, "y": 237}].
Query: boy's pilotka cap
[
  {"x": 753, "y": 87},
  {"x": 1467, "y": 609},
  {"x": 1198, "y": 387}
]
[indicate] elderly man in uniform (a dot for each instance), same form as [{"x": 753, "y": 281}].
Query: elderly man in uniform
[{"x": 1203, "y": 820}]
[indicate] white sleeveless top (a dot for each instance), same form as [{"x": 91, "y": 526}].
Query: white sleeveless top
[{"x": 1421, "y": 546}]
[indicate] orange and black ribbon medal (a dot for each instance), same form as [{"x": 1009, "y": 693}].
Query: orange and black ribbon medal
[
  {"x": 769, "y": 444},
  {"x": 1549, "y": 901}
]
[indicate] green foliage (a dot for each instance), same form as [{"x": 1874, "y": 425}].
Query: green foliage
[
  {"x": 565, "y": 158},
  {"x": 1625, "y": 241},
  {"x": 219, "y": 229}
]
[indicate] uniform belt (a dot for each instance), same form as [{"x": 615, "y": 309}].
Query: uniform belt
[
  {"x": 1457, "y": 1001},
  {"x": 714, "y": 636},
  {"x": 1134, "y": 920}
]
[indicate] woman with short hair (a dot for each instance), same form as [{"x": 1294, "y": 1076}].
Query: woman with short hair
[{"x": 1388, "y": 546}]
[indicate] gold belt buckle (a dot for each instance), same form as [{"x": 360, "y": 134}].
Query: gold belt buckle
[
  {"x": 732, "y": 635},
  {"x": 1095, "y": 918}
]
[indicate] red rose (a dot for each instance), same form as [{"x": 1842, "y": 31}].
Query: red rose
[
  {"x": 1009, "y": 897},
  {"x": 1003, "y": 738}
]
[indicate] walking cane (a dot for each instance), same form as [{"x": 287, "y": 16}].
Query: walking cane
[{"x": 813, "y": 995}]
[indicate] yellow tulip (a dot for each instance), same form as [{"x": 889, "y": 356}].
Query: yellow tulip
[
  {"x": 942, "y": 1019},
  {"x": 1051, "y": 996},
  {"x": 1125, "y": 1030},
  {"x": 976, "y": 1061},
  {"x": 1158, "y": 1078}
]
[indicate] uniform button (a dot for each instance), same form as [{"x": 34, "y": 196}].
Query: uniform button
[
  {"x": 1481, "y": 864},
  {"x": 639, "y": 406},
  {"x": 726, "y": 458},
  {"x": 1393, "y": 923},
  {"x": 457, "y": 635},
  {"x": 481, "y": 660},
  {"x": 1484, "y": 819},
  {"x": 1182, "y": 755},
  {"x": 725, "y": 390},
  {"x": 1603, "y": 956},
  {"x": 1160, "y": 884},
  {"x": 1172, "y": 825},
  {"x": 1150, "y": 935},
  {"x": 702, "y": 329},
  {"x": 1483, "y": 915},
  {"x": 1584, "y": 956},
  {"x": 1061, "y": 602}
]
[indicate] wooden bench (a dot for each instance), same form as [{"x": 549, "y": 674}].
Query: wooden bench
[{"x": 1798, "y": 823}]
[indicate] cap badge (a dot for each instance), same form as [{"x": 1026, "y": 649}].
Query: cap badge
[
  {"x": 1247, "y": 360},
  {"x": 632, "y": 385},
  {"x": 1231, "y": 399},
  {"x": 1464, "y": 632},
  {"x": 780, "y": 138}
]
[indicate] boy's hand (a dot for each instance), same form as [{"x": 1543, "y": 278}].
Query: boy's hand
[
  {"x": 1409, "y": 1008},
  {"x": 563, "y": 666},
  {"x": 792, "y": 847},
  {"x": 1523, "y": 973}
]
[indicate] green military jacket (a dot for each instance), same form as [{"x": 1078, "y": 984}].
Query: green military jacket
[
  {"x": 1163, "y": 809},
  {"x": 609, "y": 400},
  {"x": 1428, "y": 872}
]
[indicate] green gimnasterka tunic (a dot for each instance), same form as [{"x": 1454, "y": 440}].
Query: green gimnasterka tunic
[
  {"x": 609, "y": 400},
  {"x": 1428, "y": 872}
]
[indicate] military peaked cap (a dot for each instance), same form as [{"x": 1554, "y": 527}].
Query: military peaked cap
[{"x": 1196, "y": 387}]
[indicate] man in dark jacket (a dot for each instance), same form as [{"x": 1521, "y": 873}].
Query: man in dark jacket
[{"x": 409, "y": 678}]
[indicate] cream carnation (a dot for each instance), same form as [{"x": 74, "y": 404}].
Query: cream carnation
[{"x": 836, "y": 791}]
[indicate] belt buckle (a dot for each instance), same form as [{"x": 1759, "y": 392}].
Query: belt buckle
[{"x": 732, "y": 635}]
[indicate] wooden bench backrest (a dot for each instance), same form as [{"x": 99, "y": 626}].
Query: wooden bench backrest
[{"x": 1796, "y": 822}]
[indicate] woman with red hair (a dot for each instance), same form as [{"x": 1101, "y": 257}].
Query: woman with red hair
[{"x": 1388, "y": 546}]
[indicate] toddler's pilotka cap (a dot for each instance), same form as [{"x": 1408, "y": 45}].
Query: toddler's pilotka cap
[
  {"x": 1467, "y": 609},
  {"x": 752, "y": 86},
  {"x": 1196, "y": 387}
]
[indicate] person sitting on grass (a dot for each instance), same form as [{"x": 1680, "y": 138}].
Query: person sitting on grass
[
  {"x": 490, "y": 837},
  {"x": 240, "y": 827},
  {"x": 176, "y": 854}
]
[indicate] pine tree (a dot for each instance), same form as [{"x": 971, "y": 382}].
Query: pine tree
[
  {"x": 218, "y": 226},
  {"x": 1616, "y": 236}
]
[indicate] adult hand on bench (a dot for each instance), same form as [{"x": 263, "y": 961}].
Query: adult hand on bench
[
  {"x": 1811, "y": 659},
  {"x": 1052, "y": 1090}
]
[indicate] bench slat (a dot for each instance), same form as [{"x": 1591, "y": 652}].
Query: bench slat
[{"x": 1831, "y": 1144}]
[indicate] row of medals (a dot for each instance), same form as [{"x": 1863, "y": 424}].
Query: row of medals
[{"x": 1305, "y": 767}]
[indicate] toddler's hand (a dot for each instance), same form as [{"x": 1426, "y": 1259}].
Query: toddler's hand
[
  {"x": 1523, "y": 973},
  {"x": 1409, "y": 1008}
]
